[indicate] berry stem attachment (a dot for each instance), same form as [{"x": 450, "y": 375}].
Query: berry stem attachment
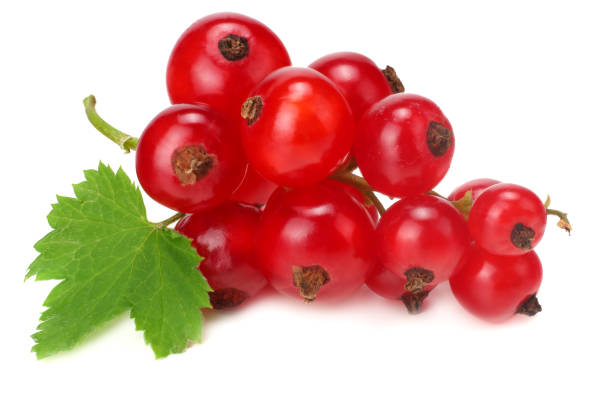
[
  {"x": 361, "y": 184},
  {"x": 125, "y": 141},
  {"x": 168, "y": 221},
  {"x": 464, "y": 204}
]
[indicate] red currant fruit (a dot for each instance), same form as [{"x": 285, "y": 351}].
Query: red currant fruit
[
  {"x": 496, "y": 287},
  {"x": 477, "y": 186},
  {"x": 254, "y": 189},
  {"x": 404, "y": 145},
  {"x": 315, "y": 242},
  {"x": 189, "y": 158},
  {"x": 298, "y": 127},
  {"x": 225, "y": 238},
  {"x": 507, "y": 219},
  {"x": 359, "y": 79},
  {"x": 220, "y": 58},
  {"x": 421, "y": 239}
]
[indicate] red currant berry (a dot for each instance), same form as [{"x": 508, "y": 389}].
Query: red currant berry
[
  {"x": 298, "y": 127},
  {"x": 507, "y": 219},
  {"x": 315, "y": 242},
  {"x": 254, "y": 189},
  {"x": 225, "y": 238},
  {"x": 220, "y": 58},
  {"x": 404, "y": 145},
  {"x": 496, "y": 287},
  {"x": 421, "y": 239},
  {"x": 359, "y": 79},
  {"x": 189, "y": 158},
  {"x": 476, "y": 186},
  {"x": 356, "y": 195}
]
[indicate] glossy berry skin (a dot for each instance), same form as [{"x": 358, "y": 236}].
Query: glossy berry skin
[
  {"x": 385, "y": 283},
  {"x": 199, "y": 72},
  {"x": 404, "y": 145},
  {"x": 359, "y": 79},
  {"x": 303, "y": 130},
  {"x": 421, "y": 233},
  {"x": 254, "y": 189},
  {"x": 507, "y": 219},
  {"x": 494, "y": 287},
  {"x": 189, "y": 158},
  {"x": 353, "y": 192},
  {"x": 225, "y": 238},
  {"x": 477, "y": 186},
  {"x": 318, "y": 229}
]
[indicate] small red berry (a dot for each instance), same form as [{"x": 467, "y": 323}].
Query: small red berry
[
  {"x": 359, "y": 79},
  {"x": 507, "y": 219},
  {"x": 404, "y": 145},
  {"x": 421, "y": 240},
  {"x": 496, "y": 287},
  {"x": 225, "y": 238},
  {"x": 315, "y": 242},
  {"x": 298, "y": 128},
  {"x": 189, "y": 158},
  {"x": 220, "y": 58}
]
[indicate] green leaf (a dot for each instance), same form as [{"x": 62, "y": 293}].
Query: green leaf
[{"x": 111, "y": 259}]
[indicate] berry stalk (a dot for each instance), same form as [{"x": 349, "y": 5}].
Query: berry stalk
[
  {"x": 563, "y": 222},
  {"x": 125, "y": 141},
  {"x": 345, "y": 176},
  {"x": 168, "y": 221}
]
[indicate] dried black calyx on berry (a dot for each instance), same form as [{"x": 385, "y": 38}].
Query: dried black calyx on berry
[
  {"x": 233, "y": 47},
  {"x": 393, "y": 80},
  {"x": 417, "y": 279},
  {"x": 522, "y": 236},
  {"x": 439, "y": 138},
  {"x": 227, "y": 297},
  {"x": 192, "y": 163},
  {"x": 308, "y": 280},
  {"x": 251, "y": 109},
  {"x": 530, "y": 307},
  {"x": 414, "y": 301}
]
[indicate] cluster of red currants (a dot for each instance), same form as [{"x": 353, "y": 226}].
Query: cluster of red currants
[{"x": 261, "y": 155}]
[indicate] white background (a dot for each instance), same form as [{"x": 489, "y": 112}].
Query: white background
[{"x": 527, "y": 88}]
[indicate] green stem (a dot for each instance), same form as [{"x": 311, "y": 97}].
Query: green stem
[
  {"x": 125, "y": 141},
  {"x": 168, "y": 221}
]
